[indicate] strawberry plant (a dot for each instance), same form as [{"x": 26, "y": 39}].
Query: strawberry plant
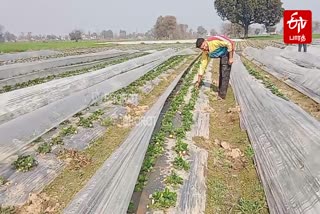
[
  {"x": 44, "y": 148},
  {"x": 68, "y": 131},
  {"x": 25, "y": 163},
  {"x": 56, "y": 141},
  {"x": 174, "y": 179},
  {"x": 164, "y": 199},
  {"x": 180, "y": 163},
  {"x": 2, "y": 180},
  {"x": 181, "y": 147}
]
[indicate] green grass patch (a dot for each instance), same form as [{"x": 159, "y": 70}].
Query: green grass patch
[
  {"x": 8, "y": 47},
  {"x": 249, "y": 206},
  {"x": 249, "y": 152}
]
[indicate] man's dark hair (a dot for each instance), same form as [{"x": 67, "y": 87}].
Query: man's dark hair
[{"x": 199, "y": 42}]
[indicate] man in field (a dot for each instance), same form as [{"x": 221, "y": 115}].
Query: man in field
[{"x": 217, "y": 47}]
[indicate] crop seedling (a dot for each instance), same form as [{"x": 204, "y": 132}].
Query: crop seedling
[
  {"x": 164, "y": 199},
  {"x": 56, "y": 141},
  {"x": 131, "y": 207},
  {"x": 25, "y": 163},
  {"x": 68, "y": 131},
  {"x": 2, "y": 180},
  {"x": 174, "y": 179},
  {"x": 155, "y": 148},
  {"x": 85, "y": 122},
  {"x": 265, "y": 81},
  {"x": 181, "y": 147},
  {"x": 180, "y": 163},
  {"x": 44, "y": 148}
]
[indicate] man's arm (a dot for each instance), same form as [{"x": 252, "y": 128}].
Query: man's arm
[{"x": 203, "y": 66}]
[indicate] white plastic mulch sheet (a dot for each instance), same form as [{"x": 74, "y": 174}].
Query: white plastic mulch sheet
[
  {"x": 298, "y": 69},
  {"x": 111, "y": 188},
  {"x": 13, "y": 70},
  {"x": 28, "y": 54},
  {"x": 286, "y": 143},
  {"x": 28, "y": 113}
]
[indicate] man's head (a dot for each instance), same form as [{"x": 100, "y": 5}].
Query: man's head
[{"x": 202, "y": 44}]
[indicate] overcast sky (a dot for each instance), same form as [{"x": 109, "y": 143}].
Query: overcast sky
[{"x": 62, "y": 16}]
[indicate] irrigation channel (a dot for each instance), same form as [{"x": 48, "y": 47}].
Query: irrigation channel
[{"x": 31, "y": 163}]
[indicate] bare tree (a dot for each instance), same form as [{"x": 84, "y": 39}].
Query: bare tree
[
  {"x": 165, "y": 27},
  {"x": 107, "y": 34},
  {"x": 232, "y": 30},
  {"x": 202, "y": 31},
  {"x": 123, "y": 34},
  {"x": 1, "y": 33},
  {"x": 76, "y": 35},
  {"x": 213, "y": 32},
  {"x": 10, "y": 37},
  {"x": 316, "y": 26}
]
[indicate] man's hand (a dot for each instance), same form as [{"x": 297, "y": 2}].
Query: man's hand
[
  {"x": 197, "y": 85},
  {"x": 230, "y": 61}
]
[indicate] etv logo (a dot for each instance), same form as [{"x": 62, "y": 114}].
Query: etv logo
[{"x": 297, "y": 26}]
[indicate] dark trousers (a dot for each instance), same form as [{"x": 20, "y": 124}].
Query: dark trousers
[
  {"x": 304, "y": 47},
  {"x": 224, "y": 76}
]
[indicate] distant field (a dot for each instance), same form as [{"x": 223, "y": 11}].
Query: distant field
[
  {"x": 314, "y": 36},
  {"x": 57, "y": 45}
]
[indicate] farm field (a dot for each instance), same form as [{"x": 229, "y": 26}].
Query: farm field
[{"x": 89, "y": 128}]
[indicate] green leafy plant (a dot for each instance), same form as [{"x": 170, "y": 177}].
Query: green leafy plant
[
  {"x": 181, "y": 147},
  {"x": 56, "y": 141},
  {"x": 164, "y": 199},
  {"x": 85, "y": 122},
  {"x": 180, "y": 163},
  {"x": 107, "y": 122},
  {"x": 265, "y": 81},
  {"x": 249, "y": 207},
  {"x": 68, "y": 131},
  {"x": 131, "y": 207},
  {"x": 249, "y": 152},
  {"x": 2, "y": 180},
  {"x": 25, "y": 163},
  {"x": 174, "y": 179},
  {"x": 44, "y": 148}
]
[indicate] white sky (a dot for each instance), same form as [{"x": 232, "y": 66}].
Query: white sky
[{"x": 62, "y": 16}]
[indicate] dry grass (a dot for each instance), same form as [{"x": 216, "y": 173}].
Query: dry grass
[
  {"x": 232, "y": 183},
  {"x": 292, "y": 94}
]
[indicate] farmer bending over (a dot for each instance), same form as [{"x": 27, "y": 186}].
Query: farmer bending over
[{"x": 217, "y": 47}]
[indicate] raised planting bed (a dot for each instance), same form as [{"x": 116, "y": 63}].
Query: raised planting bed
[{"x": 285, "y": 143}]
